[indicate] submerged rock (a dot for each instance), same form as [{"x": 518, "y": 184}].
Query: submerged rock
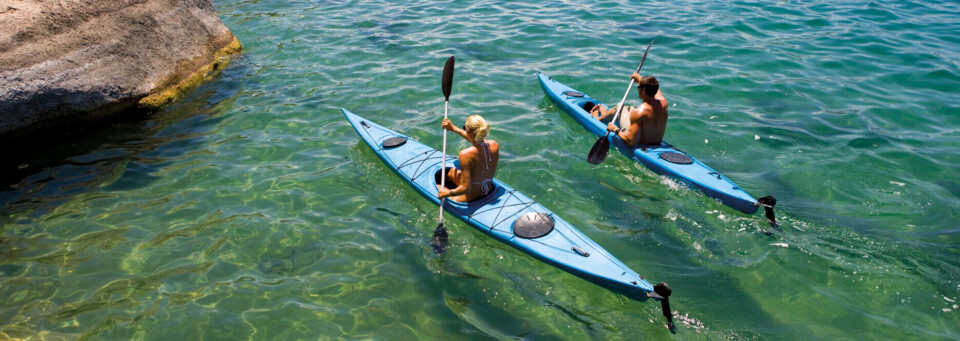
[{"x": 63, "y": 61}]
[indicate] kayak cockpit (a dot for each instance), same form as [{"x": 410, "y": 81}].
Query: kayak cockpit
[
  {"x": 450, "y": 185},
  {"x": 588, "y": 105}
]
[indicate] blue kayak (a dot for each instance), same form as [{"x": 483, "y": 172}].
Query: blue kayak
[
  {"x": 663, "y": 159},
  {"x": 505, "y": 214}
]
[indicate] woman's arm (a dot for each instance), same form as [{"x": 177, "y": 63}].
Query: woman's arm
[
  {"x": 449, "y": 126},
  {"x": 464, "y": 182}
]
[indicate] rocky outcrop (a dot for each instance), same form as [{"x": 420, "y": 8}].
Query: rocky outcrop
[{"x": 68, "y": 60}]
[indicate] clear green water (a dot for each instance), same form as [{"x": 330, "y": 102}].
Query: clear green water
[{"x": 251, "y": 210}]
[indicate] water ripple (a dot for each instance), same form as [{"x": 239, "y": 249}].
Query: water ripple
[{"x": 252, "y": 210}]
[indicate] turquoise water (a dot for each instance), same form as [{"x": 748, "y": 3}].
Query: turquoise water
[{"x": 251, "y": 210}]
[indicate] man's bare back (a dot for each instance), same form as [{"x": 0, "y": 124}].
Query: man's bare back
[
  {"x": 653, "y": 120},
  {"x": 648, "y": 123}
]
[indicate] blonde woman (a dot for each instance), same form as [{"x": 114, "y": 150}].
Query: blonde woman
[{"x": 478, "y": 163}]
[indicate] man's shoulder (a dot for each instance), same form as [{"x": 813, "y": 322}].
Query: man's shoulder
[
  {"x": 642, "y": 111},
  {"x": 663, "y": 100}
]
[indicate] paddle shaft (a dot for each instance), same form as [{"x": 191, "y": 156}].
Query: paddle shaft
[
  {"x": 620, "y": 106},
  {"x": 616, "y": 116},
  {"x": 443, "y": 161},
  {"x": 446, "y": 82}
]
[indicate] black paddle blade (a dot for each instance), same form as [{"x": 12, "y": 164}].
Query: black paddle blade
[
  {"x": 599, "y": 151},
  {"x": 663, "y": 290},
  {"x": 645, "y": 55},
  {"x": 447, "y": 80},
  {"x": 439, "y": 242}
]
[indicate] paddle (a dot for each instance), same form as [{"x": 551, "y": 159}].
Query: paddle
[
  {"x": 440, "y": 233},
  {"x": 599, "y": 151}
]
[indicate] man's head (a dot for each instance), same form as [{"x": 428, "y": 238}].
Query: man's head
[{"x": 648, "y": 86}]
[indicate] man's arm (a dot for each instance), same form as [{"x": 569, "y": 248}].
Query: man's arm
[
  {"x": 605, "y": 114},
  {"x": 597, "y": 111},
  {"x": 631, "y": 135}
]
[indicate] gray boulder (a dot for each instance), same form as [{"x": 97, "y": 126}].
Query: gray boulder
[{"x": 63, "y": 61}]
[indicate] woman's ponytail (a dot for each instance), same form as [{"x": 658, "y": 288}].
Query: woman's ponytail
[{"x": 478, "y": 126}]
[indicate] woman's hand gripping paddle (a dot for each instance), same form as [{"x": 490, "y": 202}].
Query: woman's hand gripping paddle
[
  {"x": 440, "y": 233},
  {"x": 599, "y": 151}
]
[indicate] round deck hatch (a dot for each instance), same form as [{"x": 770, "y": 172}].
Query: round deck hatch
[
  {"x": 533, "y": 225},
  {"x": 573, "y": 93},
  {"x": 394, "y": 142},
  {"x": 678, "y": 158}
]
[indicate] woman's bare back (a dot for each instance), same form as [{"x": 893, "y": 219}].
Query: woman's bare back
[{"x": 478, "y": 165}]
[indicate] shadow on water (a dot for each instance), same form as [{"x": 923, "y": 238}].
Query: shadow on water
[
  {"x": 43, "y": 172},
  {"x": 39, "y": 171}
]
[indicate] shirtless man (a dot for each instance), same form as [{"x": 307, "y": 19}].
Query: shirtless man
[
  {"x": 644, "y": 125},
  {"x": 478, "y": 163}
]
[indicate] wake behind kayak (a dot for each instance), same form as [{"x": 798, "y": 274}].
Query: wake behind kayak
[{"x": 510, "y": 217}]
